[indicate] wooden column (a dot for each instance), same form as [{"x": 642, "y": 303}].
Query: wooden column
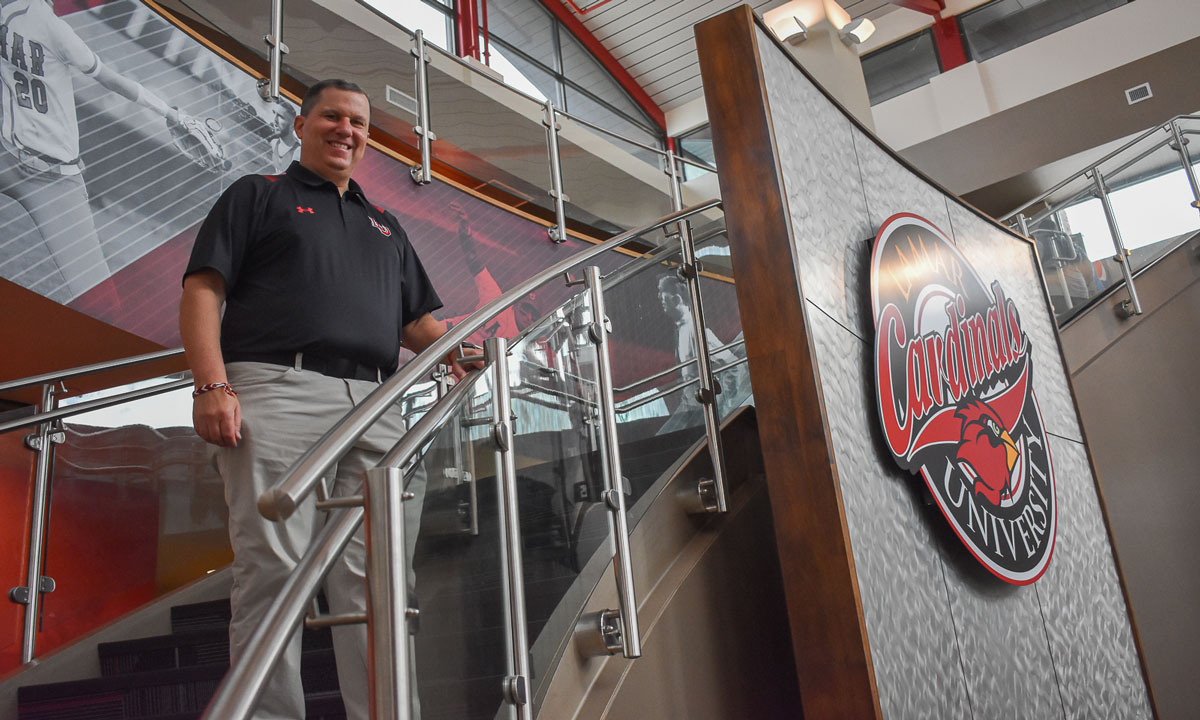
[{"x": 829, "y": 638}]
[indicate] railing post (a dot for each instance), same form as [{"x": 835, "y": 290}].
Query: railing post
[
  {"x": 1131, "y": 306},
  {"x": 516, "y": 685},
  {"x": 387, "y": 594},
  {"x": 268, "y": 88},
  {"x": 558, "y": 233},
  {"x": 631, "y": 637},
  {"x": 676, "y": 188},
  {"x": 1181, "y": 147},
  {"x": 709, "y": 388},
  {"x": 460, "y": 473},
  {"x": 421, "y": 173},
  {"x": 30, "y": 595}
]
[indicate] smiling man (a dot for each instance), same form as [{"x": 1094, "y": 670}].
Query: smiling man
[{"x": 320, "y": 289}]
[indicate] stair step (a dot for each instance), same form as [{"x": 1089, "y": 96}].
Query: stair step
[
  {"x": 211, "y": 614},
  {"x": 183, "y": 649},
  {"x": 170, "y": 694}
]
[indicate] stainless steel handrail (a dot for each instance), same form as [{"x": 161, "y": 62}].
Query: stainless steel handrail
[
  {"x": 59, "y": 413},
  {"x": 1087, "y": 171},
  {"x": 635, "y": 404},
  {"x": 57, "y": 376},
  {"x": 281, "y": 500},
  {"x": 238, "y": 692}
]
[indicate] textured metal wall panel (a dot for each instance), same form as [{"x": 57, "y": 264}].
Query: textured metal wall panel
[
  {"x": 918, "y": 670},
  {"x": 947, "y": 639},
  {"x": 1088, "y": 627}
]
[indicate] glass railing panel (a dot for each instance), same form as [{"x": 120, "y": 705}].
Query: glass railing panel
[
  {"x": 607, "y": 186},
  {"x": 319, "y": 43},
  {"x": 489, "y": 131},
  {"x": 136, "y": 510},
  {"x": 460, "y": 655},
  {"x": 565, "y": 523},
  {"x": 1072, "y": 237},
  {"x": 654, "y": 363},
  {"x": 1151, "y": 199},
  {"x": 629, "y": 136}
]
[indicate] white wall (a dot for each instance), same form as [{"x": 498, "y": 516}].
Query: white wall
[{"x": 975, "y": 90}]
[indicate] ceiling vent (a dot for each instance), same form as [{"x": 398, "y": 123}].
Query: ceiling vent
[
  {"x": 402, "y": 100},
  {"x": 1138, "y": 93}
]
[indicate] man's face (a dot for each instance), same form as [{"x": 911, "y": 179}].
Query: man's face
[
  {"x": 333, "y": 136},
  {"x": 672, "y": 303}
]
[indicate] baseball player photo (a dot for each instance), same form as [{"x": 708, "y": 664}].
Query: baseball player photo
[{"x": 40, "y": 166}]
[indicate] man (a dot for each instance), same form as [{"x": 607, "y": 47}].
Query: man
[
  {"x": 320, "y": 289},
  {"x": 40, "y": 167},
  {"x": 673, "y": 295}
]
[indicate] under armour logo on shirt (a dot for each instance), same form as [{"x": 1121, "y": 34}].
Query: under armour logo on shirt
[
  {"x": 381, "y": 228},
  {"x": 303, "y": 210}
]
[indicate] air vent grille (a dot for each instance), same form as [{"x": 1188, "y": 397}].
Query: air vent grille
[
  {"x": 402, "y": 100},
  {"x": 1139, "y": 93}
]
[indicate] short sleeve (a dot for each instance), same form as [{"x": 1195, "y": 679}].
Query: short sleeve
[
  {"x": 71, "y": 49},
  {"x": 224, "y": 236},
  {"x": 417, "y": 294}
]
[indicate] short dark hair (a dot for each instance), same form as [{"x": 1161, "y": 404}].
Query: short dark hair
[
  {"x": 314, "y": 93},
  {"x": 672, "y": 283}
]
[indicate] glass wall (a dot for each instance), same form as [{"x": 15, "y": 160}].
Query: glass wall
[
  {"x": 1004, "y": 25},
  {"x": 902, "y": 66},
  {"x": 530, "y": 48}
]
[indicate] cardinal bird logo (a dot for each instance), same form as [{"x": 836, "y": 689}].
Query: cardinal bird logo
[
  {"x": 956, "y": 401},
  {"x": 987, "y": 451}
]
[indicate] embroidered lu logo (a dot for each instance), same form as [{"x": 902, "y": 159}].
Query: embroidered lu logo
[
  {"x": 303, "y": 210},
  {"x": 381, "y": 228}
]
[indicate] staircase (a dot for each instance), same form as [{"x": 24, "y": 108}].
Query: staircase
[{"x": 172, "y": 677}]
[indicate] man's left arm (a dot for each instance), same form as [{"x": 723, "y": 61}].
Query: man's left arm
[{"x": 423, "y": 332}]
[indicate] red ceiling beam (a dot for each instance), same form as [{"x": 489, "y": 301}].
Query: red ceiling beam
[
  {"x": 929, "y": 7},
  {"x": 614, "y": 68}
]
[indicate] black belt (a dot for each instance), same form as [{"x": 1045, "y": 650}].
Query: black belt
[{"x": 337, "y": 367}]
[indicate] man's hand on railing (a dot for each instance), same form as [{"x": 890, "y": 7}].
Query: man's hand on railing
[
  {"x": 217, "y": 417},
  {"x": 463, "y": 359}
]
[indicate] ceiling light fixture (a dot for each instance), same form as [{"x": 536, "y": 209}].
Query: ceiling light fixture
[
  {"x": 790, "y": 30},
  {"x": 857, "y": 31}
]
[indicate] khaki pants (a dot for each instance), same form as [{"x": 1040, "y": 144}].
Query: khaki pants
[{"x": 284, "y": 412}]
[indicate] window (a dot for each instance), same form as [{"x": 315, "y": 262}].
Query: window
[
  {"x": 434, "y": 17},
  {"x": 696, "y": 145},
  {"x": 902, "y": 66},
  {"x": 531, "y": 49},
  {"x": 1003, "y": 25}
]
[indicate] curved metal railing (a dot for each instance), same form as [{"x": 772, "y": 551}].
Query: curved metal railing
[
  {"x": 237, "y": 694},
  {"x": 281, "y": 500},
  {"x": 1076, "y": 281}
]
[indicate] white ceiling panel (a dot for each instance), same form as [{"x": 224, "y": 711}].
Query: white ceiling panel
[{"x": 654, "y": 40}]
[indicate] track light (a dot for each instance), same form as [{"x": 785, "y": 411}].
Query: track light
[
  {"x": 857, "y": 31},
  {"x": 790, "y": 30}
]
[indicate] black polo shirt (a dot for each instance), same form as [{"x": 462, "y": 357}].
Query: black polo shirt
[{"x": 309, "y": 270}]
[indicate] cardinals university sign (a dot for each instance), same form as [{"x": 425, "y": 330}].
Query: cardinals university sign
[{"x": 954, "y": 382}]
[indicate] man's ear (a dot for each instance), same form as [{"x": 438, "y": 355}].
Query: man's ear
[{"x": 298, "y": 125}]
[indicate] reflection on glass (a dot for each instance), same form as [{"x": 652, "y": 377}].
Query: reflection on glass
[
  {"x": 902, "y": 66},
  {"x": 460, "y": 656},
  {"x": 522, "y": 74},
  {"x": 137, "y": 510},
  {"x": 524, "y": 24},
  {"x": 1003, "y": 25}
]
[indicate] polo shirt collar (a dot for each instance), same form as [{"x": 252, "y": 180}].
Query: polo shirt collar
[{"x": 298, "y": 172}]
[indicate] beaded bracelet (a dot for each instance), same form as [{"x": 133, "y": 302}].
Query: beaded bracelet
[{"x": 215, "y": 386}]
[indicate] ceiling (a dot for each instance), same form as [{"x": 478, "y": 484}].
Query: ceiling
[{"x": 655, "y": 43}]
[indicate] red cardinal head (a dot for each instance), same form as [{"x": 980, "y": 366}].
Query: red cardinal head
[{"x": 987, "y": 447}]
